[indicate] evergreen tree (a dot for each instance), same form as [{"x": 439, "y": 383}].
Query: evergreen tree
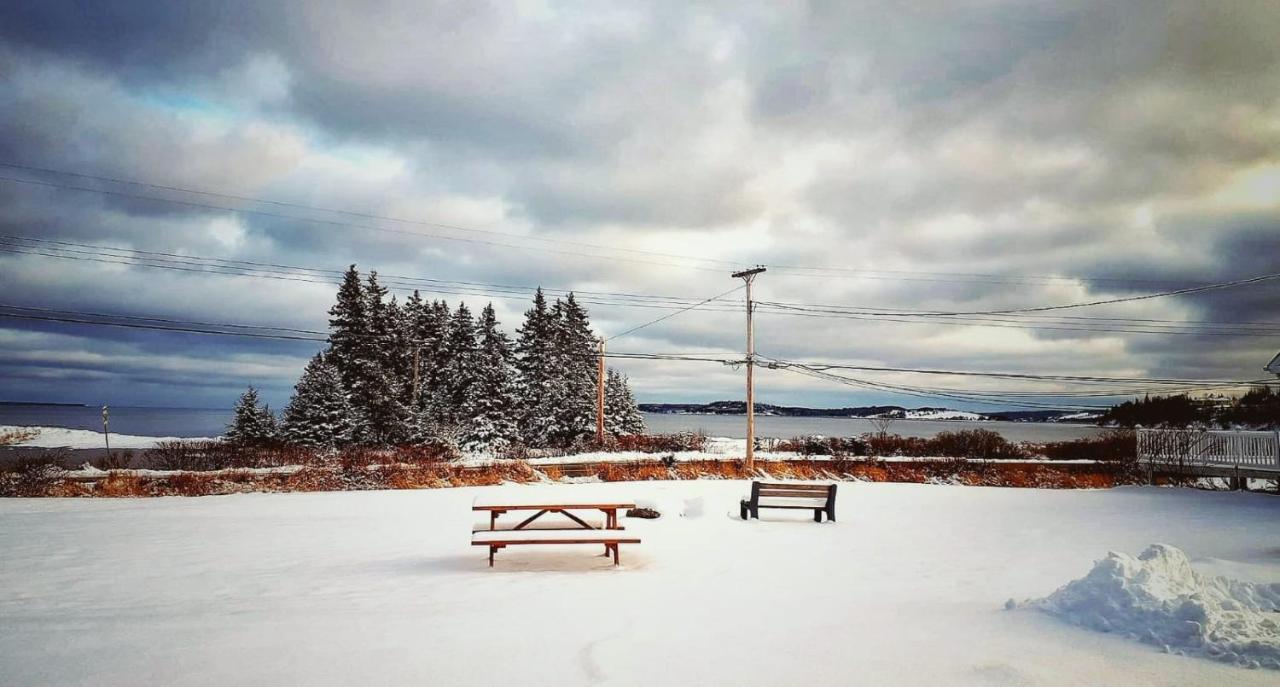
[
  {"x": 574, "y": 364},
  {"x": 536, "y": 368},
  {"x": 377, "y": 390},
  {"x": 319, "y": 413},
  {"x": 490, "y": 406},
  {"x": 348, "y": 323},
  {"x": 459, "y": 373},
  {"x": 621, "y": 414},
  {"x": 252, "y": 423}
]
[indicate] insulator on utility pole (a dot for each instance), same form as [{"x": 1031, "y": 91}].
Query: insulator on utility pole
[
  {"x": 600, "y": 374},
  {"x": 749, "y": 276}
]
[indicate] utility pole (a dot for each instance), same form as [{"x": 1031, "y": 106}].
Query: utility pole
[
  {"x": 106, "y": 432},
  {"x": 600, "y": 394},
  {"x": 749, "y": 276}
]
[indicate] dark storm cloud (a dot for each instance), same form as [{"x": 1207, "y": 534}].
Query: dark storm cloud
[{"x": 1129, "y": 146}]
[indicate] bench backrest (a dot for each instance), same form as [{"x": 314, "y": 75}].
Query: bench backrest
[{"x": 801, "y": 491}]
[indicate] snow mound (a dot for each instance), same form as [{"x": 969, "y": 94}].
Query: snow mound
[{"x": 1158, "y": 599}]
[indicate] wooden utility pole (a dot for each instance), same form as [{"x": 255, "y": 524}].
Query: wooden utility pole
[
  {"x": 600, "y": 394},
  {"x": 106, "y": 431},
  {"x": 749, "y": 276}
]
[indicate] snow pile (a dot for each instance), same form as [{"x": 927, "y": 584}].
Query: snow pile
[{"x": 1158, "y": 599}]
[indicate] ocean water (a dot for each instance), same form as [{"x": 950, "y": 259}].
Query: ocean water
[
  {"x": 208, "y": 422},
  {"x": 735, "y": 426},
  {"x": 147, "y": 422}
]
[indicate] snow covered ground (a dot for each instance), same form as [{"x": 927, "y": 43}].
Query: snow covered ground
[
  {"x": 908, "y": 587},
  {"x": 60, "y": 437}
]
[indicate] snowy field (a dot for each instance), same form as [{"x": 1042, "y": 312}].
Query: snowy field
[{"x": 909, "y": 587}]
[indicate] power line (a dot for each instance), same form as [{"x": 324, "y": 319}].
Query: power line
[
  {"x": 1000, "y": 375},
  {"x": 221, "y": 266},
  {"x": 412, "y": 284},
  {"x": 245, "y": 330},
  {"x": 349, "y": 213},
  {"x": 670, "y": 315},
  {"x": 369, "y": 227},
  {"x": 1110, "y": 301},
  {"x": 216, "y": 266},
  {"x": 905, "y": 312},
  {"x": 7, "y": 239},
  {"x": 1198, "y": 330},
  {"x": 792, "y": 270},
  {"x": 911, "y": 391}
]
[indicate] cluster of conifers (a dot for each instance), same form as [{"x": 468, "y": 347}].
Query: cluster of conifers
[{"x": 420, "y": 372}]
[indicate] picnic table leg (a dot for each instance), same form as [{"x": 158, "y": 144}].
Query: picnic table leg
[
  {"x": 615, "y": 554},
  {"x": 493, "y": 520},
  {"x": 492, "y": 550}
]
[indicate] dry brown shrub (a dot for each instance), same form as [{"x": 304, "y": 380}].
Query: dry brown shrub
[
  {"x": 974, "y": 443},
  {"x": 32, "y": 476},
  {"x": 634, "y": 471},
  {"x": 714, "y": 469},
  {"x": 188, "y": 484},
  {"x": 121, "y": 485},
  {"x": 313, "y": 479},
  {"x": 552, "y": 472}
]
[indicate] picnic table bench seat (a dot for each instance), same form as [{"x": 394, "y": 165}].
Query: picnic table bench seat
[
  {"x": 531, "y": 530},
  {"x": 820, "y": 498}
]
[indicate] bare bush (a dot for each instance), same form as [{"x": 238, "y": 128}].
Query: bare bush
[
  {"x": 34, "y": 476},
  {"x": 1116, "y": 445},
  {"x": 662, "y": 443},
  {"x": 975, "y": 443}
]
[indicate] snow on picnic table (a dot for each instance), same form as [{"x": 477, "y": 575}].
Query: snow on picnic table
[{"x": 385, "y": 588}]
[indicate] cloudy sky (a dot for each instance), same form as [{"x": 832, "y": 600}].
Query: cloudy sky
[{"x": 991, "y": 155}]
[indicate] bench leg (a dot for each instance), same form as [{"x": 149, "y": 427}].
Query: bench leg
[
  {"x": 831, "y": 512},
  {"x": 492, "y": 550},
  {"x": 817, "y": 515},
  {"x": 742, "y": 510},
  {"x": 615, "y": 554}
]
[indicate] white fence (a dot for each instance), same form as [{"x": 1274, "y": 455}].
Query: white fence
[{"x": 1204, "y": 447}]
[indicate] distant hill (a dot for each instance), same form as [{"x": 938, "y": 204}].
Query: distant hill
[{"x": 925, "y": 413}]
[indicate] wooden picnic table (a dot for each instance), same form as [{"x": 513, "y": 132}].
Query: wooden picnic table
[{"x": 530, "y": 530}]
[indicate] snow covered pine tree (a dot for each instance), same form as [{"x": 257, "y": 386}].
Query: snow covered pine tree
[
  {"x": 573, "y": 387},
  {"x": 252, "y": 423},
  {"x": 537, "y": 373},
  {"x": 621, "y": 415},
  {"x": 491, "y": 407},
  {"x": 319, "y": 414}
]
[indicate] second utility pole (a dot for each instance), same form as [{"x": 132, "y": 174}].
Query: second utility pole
[
  {"x": 749, "y": 276},
  {"x": 600, "y": 374}
]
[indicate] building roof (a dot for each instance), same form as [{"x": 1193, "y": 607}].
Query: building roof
[{"x": 1274, "y": 366}]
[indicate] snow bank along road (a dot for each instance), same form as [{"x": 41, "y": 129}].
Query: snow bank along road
[{"x": 384, "y": 588}]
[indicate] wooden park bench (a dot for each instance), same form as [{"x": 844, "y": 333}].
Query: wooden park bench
[
  {"x": 533, "y": 530},
  {"x": 819, "y": 498}
]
